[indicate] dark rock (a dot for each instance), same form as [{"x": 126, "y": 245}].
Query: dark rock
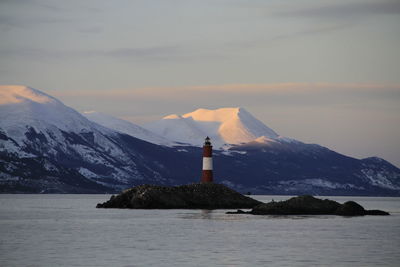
[
  {"x": 376, "y": 212},
  {"x": 309, "y": 205},
  {"x": 193, "y": 196},
  {"x": 237, "y": 212},
  {"x": 297, "y": 205},
  {"x": 350, "y": 208}
]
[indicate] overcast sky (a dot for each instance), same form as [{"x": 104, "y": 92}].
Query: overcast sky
[{"x": 325, "y": 72}]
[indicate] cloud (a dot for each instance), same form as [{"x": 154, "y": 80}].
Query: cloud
[
  {"x": 28, "y": 14},
  {"x": 330, "y": 16},
  {"x": 27, "y": 22},
  {"x": 346, "y": 10},
  {"x": 155, "y": 53},
  {"x": 193, "y": 93},
  {"x": 91, "y": 30},
  {"x": 314, "y": 30}
]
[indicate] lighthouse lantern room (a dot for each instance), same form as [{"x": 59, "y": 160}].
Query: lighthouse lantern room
[{"x": 207, "y": 173}]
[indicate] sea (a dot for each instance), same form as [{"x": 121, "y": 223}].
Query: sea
[{"x": 67, "y": 230}]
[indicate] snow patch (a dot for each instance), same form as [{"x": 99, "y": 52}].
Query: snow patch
[
  {"x": 317, "y": 182},
  {"x": 126, "y": 127},
  {"x": 87, "y": 173},
  {"x": 49, "y": 166},
  {"x": 378, "y": 179},
  {"x": 7, "y": 177}
]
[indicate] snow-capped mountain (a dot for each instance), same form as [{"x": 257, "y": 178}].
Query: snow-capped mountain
[
  {"x": 231, "y": 126},
  {"x": 46, "y": 146},
  {"x": 22, "y": 106},
  {"x": 36, "y": 125},
  {"x": 27, "y": 114},
  {"x": 126, "y": 127}
]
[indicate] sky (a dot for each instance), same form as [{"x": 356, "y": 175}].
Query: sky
[{"x": 325, "y": 72}]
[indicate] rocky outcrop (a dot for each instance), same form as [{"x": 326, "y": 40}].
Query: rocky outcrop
[
  {"x": 193, "y": 196},
  {"x": 309, "y": 205},
  {"x": 351, "y": 208}
]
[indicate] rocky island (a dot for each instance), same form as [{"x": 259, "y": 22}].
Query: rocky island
[
  {"x": 309, "y": 205},
  {"x": 217, "y": 196},
  {"x": 192, "y": 196}
]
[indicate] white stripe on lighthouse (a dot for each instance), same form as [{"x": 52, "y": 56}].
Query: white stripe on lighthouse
[{"x": 207, "y": 163}]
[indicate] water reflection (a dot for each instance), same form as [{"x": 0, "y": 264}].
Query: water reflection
[
  {"x": 213, "y": 215},
  {"x": 198, "y": 214},
  {"x": 206, "y": 214},
  {"x": 221, "y": 215}
]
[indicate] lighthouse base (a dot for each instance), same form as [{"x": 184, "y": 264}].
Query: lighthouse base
[{"x": 207, "y": 176}]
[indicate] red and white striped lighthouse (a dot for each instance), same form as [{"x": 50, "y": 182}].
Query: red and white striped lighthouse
[{"x": 207, "y": 174}]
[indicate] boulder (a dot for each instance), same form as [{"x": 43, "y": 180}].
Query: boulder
[
  {"x": 237, "y": 212},
  {"x": 376, "y": 212},
  {"x": 309, "y": 205},
  {"x": 193, "y": 196},
  {"x": 350, "y": 208},
  {"x": 297, "y": 205}
]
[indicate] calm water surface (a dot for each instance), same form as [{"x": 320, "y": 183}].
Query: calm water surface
[{"x": 67, "y": 230}]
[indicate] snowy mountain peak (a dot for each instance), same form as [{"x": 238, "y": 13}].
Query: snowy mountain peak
[
  {"x": 11, "y": 94},
  {"x": 172, "y": 117},
  {"x": 220, "y": 115},
  {"x": 223, "y": 125},
  {"x": 23, "y": 108}
]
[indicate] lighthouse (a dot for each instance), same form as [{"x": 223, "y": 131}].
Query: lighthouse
[{"x": 207, "y": 173}]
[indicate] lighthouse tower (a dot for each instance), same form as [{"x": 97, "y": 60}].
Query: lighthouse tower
[{"x": 207, "y": 174}]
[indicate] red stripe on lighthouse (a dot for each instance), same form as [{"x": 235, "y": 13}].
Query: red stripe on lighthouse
[
  {"x": 207, "y": 176},
  {"x": 207, "y": 151}
]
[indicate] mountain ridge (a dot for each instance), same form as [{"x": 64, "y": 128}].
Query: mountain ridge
[{"x": 47, "y": 147}]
